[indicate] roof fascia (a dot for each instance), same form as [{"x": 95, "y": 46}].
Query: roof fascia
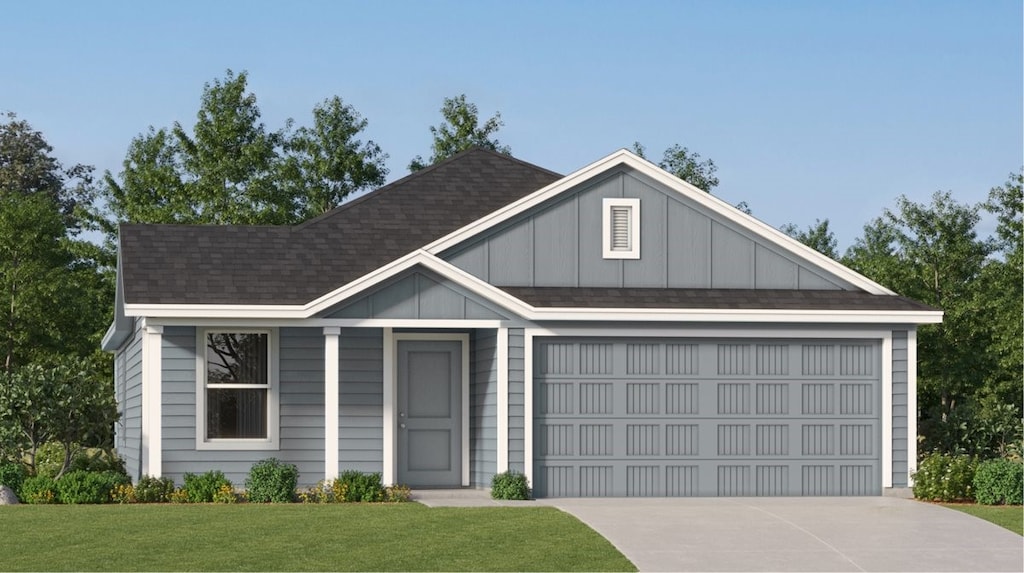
[{"x": 712, "y": 203}]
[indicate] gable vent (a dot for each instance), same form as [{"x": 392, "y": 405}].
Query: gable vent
[{"x": 620, "y": 228}]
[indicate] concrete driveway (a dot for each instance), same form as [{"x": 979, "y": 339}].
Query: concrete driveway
[{"x": 797, "y": 534}]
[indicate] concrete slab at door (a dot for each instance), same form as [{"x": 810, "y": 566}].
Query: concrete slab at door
[{"x": 429, "y": 413}]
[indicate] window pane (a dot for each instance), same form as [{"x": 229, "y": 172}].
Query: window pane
[
  {"x": 236, "y": 413},
  {"x": 236, "y": 358}
]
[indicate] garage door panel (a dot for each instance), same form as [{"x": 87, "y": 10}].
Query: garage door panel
[{"x": 707, "y": 418}]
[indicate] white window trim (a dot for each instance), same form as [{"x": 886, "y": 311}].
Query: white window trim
[
  {"x": 607, "y": 204},
  {"x": 272, "y": 442}
]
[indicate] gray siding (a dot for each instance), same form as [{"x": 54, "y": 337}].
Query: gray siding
[
  {"x": 516, "y": 400},
  {"x": 899, "y": 409},
  {"x": 361, "y": 400},
  {"x": 483, "y": 407},
  {"x": 129, "y": 429},
  {"x": 682, "y": 246},
  {"x": 418, "y": 295},
  {"x": 301, "y": 409}
]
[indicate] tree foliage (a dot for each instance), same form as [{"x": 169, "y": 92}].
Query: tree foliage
[
  {"x": 817, "y": 236},
  {"x": 686, "y": 165},
  {"x": 231, "y": 169},
  {"x": 460, "y": 131}
]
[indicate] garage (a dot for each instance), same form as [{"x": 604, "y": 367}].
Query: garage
[{"x": 706, "y": 417}]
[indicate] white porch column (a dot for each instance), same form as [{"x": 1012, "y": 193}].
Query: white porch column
[
  {"x": 152, "y": 373},
  {"x": 389, "y": 474},
  {"x": 331, "y": 383},
  {"x": 502, "y": 400}
]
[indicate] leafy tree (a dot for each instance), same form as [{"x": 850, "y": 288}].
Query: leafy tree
[
  {"x": 686, "y": 165},
  {"x": 932, "y": 253},
  {"x": 460, "y": 131},
  {"x": 327, "y": 162},
  {"x": 230, "y": 169},
  {"x": 817, "y": 236},
  {"x": 66, "y": 402}
]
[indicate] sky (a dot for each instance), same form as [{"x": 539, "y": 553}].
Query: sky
[{"x": 810, "y": 109}]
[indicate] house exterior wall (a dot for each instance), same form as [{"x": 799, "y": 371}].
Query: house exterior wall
[
  {"x": 682, "y": 246},
  {"x": 361, "y": 400},
  {"x": 483, "y": 407},
  {"x": 516, "y": 400},
  {"x": 899, "y": 409},
  {"x": 417, "y": 295},
  {"x": 129, "y": 395}
]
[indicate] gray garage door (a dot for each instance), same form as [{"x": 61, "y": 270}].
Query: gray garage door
[{"x": 681, "y": 417}]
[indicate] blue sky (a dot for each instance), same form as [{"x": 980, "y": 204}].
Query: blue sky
[{"x": 812, "y": 109}]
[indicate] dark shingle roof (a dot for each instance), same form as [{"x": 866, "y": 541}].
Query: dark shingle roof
[
  {"x": 683, "y": 298},
  {"x": 210, "y": 264}
]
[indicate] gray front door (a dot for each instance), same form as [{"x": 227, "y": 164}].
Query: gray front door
[{"x": 429, "y": 413}]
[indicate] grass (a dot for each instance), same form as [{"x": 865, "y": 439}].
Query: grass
[
  {"x": 1009, "y": 516},
  {"x": 296, "y": 537}
]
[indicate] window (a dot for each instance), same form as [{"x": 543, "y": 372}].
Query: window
[
  {"x": 620, "y": 227},
  {"x": 237, "y": 394}
]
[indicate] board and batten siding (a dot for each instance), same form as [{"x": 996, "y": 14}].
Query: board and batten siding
[
  {"x": 301, "y": 409},
  {"x": 483, "y": 407},
  {"x": 360, "y": 400},
  {"x": 682, "y": 245},
  {"x": 899, "y": 409},
  {"x": 516, "y": 400},
  {"x": 129, "y": 395},
  {"x": 418, "y": 295}
]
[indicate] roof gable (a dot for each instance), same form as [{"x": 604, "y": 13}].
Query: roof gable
[{"x": 714, "y": 245}]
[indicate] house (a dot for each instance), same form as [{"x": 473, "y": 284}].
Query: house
[{"x": 612, "y": 332}]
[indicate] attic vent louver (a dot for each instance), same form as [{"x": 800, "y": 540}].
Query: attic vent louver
[{"x": 621, "y": 228}]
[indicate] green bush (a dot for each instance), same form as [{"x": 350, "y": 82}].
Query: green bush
[
  {"x": 354, "y": 485},
  {"x": 98, "y": 460},
  {"x": 12, "y": 474},
  {"x": 271, "y": 480},
  {"x": 201, "y": 488},
  {"x": 88, "y": 487},
  {"x": 999, "y": 481},
  {"x": 50, "y": 459},
  {"x": 39, "y": 489},
  {"x": 397, "y": 493},
  {"x": 510, "y": 485},
  {"x": 154, "y": 490},
  {"x": 945, "y": 477}
]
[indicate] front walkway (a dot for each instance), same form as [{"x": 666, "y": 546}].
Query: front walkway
[{"x": 782, "y": 534}]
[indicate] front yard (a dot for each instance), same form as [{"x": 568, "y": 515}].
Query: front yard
[
  {"x": 1009, "y": 516},
  {"x": 296, "y": 537}
]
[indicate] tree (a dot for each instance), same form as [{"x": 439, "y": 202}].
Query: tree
[
  {"x": 66, "y": 402},
  {"x": 326, "y": 163},
  {"x": 461, "y": 131},
  {"x": 230, "y": 169},
  {"x": 932, "y": 253},
  {"x": 817, "y": 236},
  {"x": 686, "y": 165}
]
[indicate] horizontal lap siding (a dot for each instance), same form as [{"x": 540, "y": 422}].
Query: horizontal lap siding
[
  {"x": 483, "y": 409},
  {"x": 130, "y": 426},
  {"x": 516, "y": 400},
  {"x": 301, "y": 409},
  {"x": 899, "y": 409},
  {"x": 361, "y": 400}
]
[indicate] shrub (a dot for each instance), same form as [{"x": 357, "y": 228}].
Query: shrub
[
  {"x": 98, "y": 460},
  {"x": 945, "y": 477},
  {"x": 39, "y": 489},
  {"x": 124, "y": 493},
  {"x": 397, "y": 493},
  {"x": 178, "y": 496},
  {"x": 271, "y": 480},
  {"x": 50, "y": 459},
  {"x": 999, "y": 481},
  {"x": 12, "y": 474},
  {"x": 353, "y": 485},
  {"x": 202, "y": 487},
  {"x": 88, "y": 487},
  {"x": 510, "y": 485},
  {"x": 319, "y": 493},
  {"x": 225, "y": 494},
  {"x": 154, "y": 490}
]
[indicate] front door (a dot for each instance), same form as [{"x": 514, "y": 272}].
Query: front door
[{"x": 429, "y": 413}]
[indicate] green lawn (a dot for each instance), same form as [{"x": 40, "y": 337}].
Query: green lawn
[
  {"x": 1011, "y": 517},
  {"x": 295, "y": 537}
]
